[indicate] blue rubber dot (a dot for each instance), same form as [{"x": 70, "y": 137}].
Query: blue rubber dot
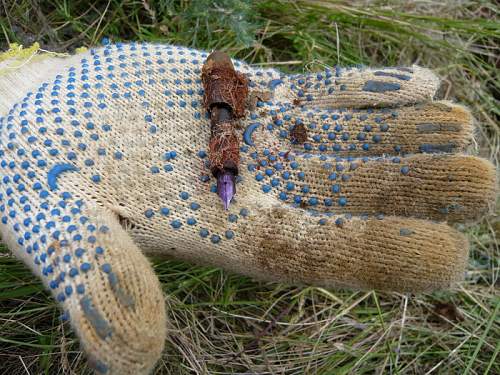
[
  {"x": 68, "y": 290},
  {"x": 80, "y": 289},
  {"x": 203, "y": 232},
  {"x": 84, "y": 267},
  {"x": 176, "y": 224},
  {"x": 106, "y": 268},
  {"x": 229, "y": 234},
  {"x": 342, "y": 201},
  {"x": 405, "y": 170},
  {"x": 266, "y": 188},
  {"x": 184, "y": 195},
  {"x": 149, "y": 213},
  {"x": 313, "y": 201},
  {"x": 215, "y": 238},
  {"x": 164, "y": 211},
  {"x": 191, "y": 221}
]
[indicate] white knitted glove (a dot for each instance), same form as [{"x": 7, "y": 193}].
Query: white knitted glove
[{"x": 103, "y": 155}]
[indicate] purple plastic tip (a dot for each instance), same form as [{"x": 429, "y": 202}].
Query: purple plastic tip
[{"x": 226, "y": 188}]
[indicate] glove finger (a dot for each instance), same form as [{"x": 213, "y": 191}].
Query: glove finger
[
  {"x": 105, "y": 286},
  {"x": 441, "y": 187},
  {"x": 430, "y": 127},
  {"x": 359, "y": 87},
  {"x": 406, "y": 255}
]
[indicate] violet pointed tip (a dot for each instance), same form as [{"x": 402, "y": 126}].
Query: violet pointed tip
[{"x": 226, "y": 188}]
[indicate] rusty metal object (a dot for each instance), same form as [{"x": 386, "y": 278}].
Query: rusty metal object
[
  {"x": 226, "y": 92},
  {"x": 224, "y": 86}
]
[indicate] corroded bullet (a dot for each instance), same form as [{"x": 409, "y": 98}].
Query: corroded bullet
[{"x": 225, "y": 95}]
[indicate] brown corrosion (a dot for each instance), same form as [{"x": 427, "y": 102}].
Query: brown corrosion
[
  {"x": 255, "y": 96},
  {"x": 225, "y": 97},
  {"x": 223, "y": 85},
  {"x": 224, "y": 149},
  {"x": 298, "y": 134}
]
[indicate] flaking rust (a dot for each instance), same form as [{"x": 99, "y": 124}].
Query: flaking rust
[
  {"x": 256, "y": 96},
  {"x": 298, "y": 134},
  {"x": 225, "y": 96}
]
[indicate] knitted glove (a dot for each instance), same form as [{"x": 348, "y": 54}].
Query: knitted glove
[{"x": 344, "y": 176}]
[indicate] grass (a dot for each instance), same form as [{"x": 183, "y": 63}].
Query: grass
[{"x": 223, "y": 323}]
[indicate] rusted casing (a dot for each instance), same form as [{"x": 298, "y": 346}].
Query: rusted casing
[
  {"x": 224, "y": 86},
  {"x": 225, "y": 95}
]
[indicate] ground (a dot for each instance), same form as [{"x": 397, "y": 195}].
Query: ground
[{"x": 223, "y": 323}]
